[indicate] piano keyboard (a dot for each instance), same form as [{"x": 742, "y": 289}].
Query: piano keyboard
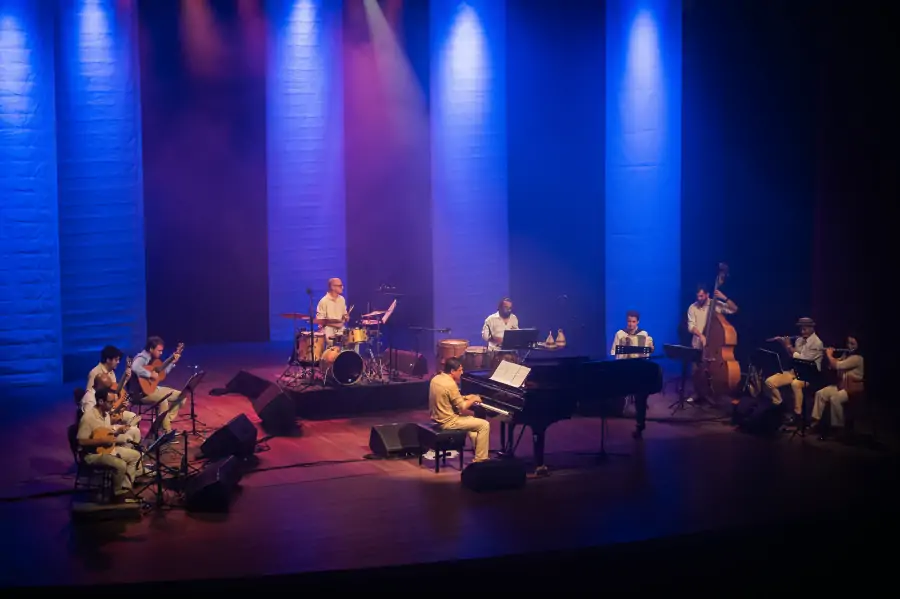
[{"x": 493, "y": 409}]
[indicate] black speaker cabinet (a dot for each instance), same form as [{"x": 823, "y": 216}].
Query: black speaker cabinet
[
  {"x": 237, "y": 438},
  {"x": 276, "y": 409},
  {"x": 211, "y": 490},
  {"x": 494, "y": 475},
  {"x": 396, "y": 439}
]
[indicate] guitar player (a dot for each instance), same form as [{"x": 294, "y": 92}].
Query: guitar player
[
  {"x": 143, "y": 367},
  {"x": 103, "y": 376},
  {"x": 123, "y": 461}
]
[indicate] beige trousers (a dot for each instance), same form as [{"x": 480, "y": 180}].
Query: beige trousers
[
  {"x": 783, "y": 379},
  {"x": 133, "y": 434},
  {"x": 836, "y": 398},
  {"x": 174, "y": 401},
  {"x": 123, "y": 462},
  {"x": 479, "y": 432}
]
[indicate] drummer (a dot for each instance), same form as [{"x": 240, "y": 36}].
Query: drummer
[
  {"x": 331, "y": 313},
  {"x": 498, "y": 323}
]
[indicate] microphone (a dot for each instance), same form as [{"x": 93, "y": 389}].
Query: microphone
[
  {"x": 308, "y": 291},
  {"x": 443, "y": 330}
]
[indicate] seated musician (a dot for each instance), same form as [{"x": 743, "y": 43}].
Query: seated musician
[
  {"x": 498, "y": 323},
  {"x": 103, "y": 376},
  {"x": 121, "y": 459},
  {"x": 698, "y": 314},
  {"x": 331, "y": 313},
  {"x": 449, "y": 408},
  {"x": 633, "y": 336},
  {"x": 140, "y": 366},
  {"x": 850, "y": 370},
  {"x": 807, "y": 347}
]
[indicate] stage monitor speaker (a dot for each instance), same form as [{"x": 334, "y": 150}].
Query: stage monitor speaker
[
  {"x": 394, "y": 440},
  {"x": 211, "y": 489},
  {"x": 409, "y": 363},
  {"x": 237, "y": 438},
  {"x": 494, "y": 475},
  {"x": 276, "y": 409}
]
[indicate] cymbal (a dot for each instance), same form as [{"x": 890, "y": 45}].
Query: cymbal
[
  {"x": 295, "y": 316},
  {"x": 375, "y": 313},
  {"x": 370, "y": 323}
]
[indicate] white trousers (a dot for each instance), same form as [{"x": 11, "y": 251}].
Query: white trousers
[{"x": 834, "y": 397}]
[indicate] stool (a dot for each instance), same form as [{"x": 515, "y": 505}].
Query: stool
[{"x": 441, "y": 441}]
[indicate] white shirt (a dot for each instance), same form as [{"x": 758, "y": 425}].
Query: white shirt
[
  {"x": 331, "y": 308},
  {"x": 852, "y": 366},
  {"x": 495, "y": 327},
  {"x": 811, "y": 349},
  {"x": 91, "y": 421},
  {"x": 696, "y": 318},
  {"x": 638, "y": 339},
  {"x": 89, "y": 399}
]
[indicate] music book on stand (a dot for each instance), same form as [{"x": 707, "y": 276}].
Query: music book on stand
[{"x": 511, "y": 374}]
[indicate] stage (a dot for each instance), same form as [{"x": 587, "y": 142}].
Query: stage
[{"x": 312, "y": 503}]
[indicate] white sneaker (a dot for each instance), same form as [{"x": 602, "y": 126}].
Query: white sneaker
[{"x": 429, "y": 455}]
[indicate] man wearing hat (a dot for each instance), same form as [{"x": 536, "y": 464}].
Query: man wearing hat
[{"x": 807, "y": 347}]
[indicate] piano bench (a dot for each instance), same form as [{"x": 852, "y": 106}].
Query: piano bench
[{"x": 432, "y": 437}]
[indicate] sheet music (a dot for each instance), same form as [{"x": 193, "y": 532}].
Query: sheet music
[{"x": 511, "y": 374}]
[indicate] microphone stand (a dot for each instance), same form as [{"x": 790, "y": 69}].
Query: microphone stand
[{"x": 419, "y": 330}]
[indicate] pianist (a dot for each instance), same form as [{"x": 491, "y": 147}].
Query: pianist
[
  {"x": 447, "y": 408},
  {"x": 634, "y": 336}
]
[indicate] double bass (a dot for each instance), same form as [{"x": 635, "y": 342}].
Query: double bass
[{"x": 719, "y": 372}]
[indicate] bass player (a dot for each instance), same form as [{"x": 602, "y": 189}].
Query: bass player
[
  {"x": 143, "y": 367},
  {"x": 698, "y": 314}
]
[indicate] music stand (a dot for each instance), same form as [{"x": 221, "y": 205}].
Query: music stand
[
  {"x": 392, "y": 370},
  {"x": 190, "y": 387},
  {"x": 808, "y": 372},
  {"x": 515, "y": 339},
  {"x": 156, "y": 448},
  {"x": 686, "y": 355}
]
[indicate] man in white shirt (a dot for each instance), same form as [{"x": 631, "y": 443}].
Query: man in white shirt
[
  {"x": 807, "y": 347},
  {"x": 498, "y": 323},
  {"x": 698, "y": 313},
  {"x": 331, "y": 313},
  {"x": 122, "y": 460},
  {"x": 851, "y": 373},
  {"x": 168, "y": 400},
  {"x": 633, "y": 336},
  {"x": 103, "y": 376}
]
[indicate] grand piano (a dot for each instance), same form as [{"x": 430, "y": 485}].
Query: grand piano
[{"x": 556, "y": 389}]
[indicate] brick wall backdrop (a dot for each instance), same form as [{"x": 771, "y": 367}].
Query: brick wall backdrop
[{"x": 29, "y": 241}]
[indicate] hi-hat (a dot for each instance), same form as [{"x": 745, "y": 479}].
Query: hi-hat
[
  {"x": 295, "y": 316},
  {"x": 375, "y": 313},
  {"x": 370, "y": 323}
]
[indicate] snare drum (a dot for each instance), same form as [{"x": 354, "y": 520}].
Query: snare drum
[
  {"x": 344, "y": 367},
  {"x": 450, "y": 348},
  {"x": 310, "y": 346},
  {"x": 354, "y": 336},
  {"x": 476, "y": 358}
]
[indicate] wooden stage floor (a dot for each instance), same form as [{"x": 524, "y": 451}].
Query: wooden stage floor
[{"x": 315, "y": 504}]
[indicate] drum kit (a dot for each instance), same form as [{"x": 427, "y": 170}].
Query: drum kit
[{"x": 350, "y": 356}]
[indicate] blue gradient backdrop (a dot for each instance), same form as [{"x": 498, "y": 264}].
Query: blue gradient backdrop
[
  {"x": 101, "y": 211},
  {"x": 468, "y": 162},
  {"x": 30, "y": 321},
  {"x": 643, "y": 165},
  {"x": 305, "y": 155}
]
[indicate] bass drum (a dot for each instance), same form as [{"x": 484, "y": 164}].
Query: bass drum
[{"x": 344, "y": 368}]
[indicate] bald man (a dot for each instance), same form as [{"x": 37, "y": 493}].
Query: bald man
[{"x": 331, "y": 314}]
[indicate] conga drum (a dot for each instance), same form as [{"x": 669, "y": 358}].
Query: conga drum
[
  {"x": 450, "y": 348},
  {"x": 501, "y": 355},
  {"x": 476, "y": 358}
]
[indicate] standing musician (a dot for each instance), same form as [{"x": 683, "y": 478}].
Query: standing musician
[
  {"x": 633, "y": 336},
  {"x": 698, "y": 313},
  {"x": 331, "y": 313},
  {"x": 498, "y": 323},
  {"x": 122, "y": 460},
  {"x": 448, "y": 408},
  {"x": 850, "y": 370},
  {"x": 153, "y": 351},
  {"x": 807, "y": 347}
]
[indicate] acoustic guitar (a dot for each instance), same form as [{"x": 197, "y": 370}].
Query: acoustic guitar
[{"x": 148, "y": 386}]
